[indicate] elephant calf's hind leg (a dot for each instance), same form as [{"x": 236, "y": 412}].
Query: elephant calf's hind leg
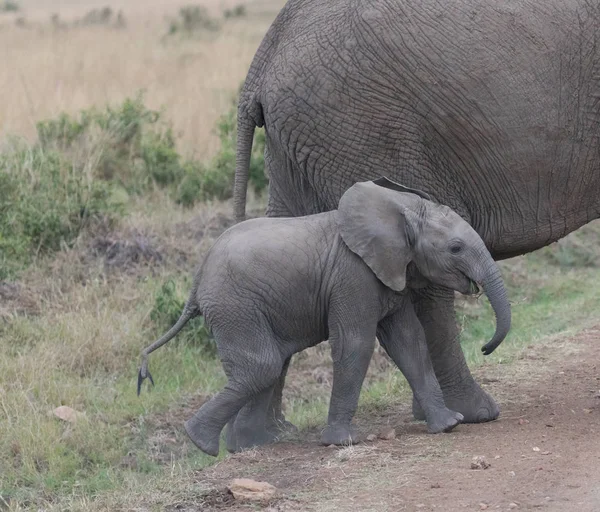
[
  {"x": 246, "y": 380},
  {"x": 250, "y": 428}
]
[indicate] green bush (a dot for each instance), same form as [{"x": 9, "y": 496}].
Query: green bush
[
  {"x": 104, "y": 16},
  {"x": 193, "y": 19},
  {"x": 168, "y": 306},
  {"x": 137, "y": 150},
  {"x": 71, "y": 177},
  {"x": 134, "y": 146},
  {"x": 9, "y": 6},
  {"x": 239, "y": 11},
  {"x": 46, "y": 202}
]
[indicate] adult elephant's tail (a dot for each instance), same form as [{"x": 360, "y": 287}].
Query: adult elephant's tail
[{"x": 245, "y": 137}]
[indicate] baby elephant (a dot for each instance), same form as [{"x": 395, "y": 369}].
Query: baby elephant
[{"x": 271, "y": 287}]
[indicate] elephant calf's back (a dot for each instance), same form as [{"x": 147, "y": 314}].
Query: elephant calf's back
[{"x": 269, "y": 273}]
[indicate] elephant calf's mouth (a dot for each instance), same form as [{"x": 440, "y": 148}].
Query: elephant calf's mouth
[{"x": 474, "y": 288}]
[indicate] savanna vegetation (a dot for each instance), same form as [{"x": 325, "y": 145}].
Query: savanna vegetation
[{"x": 117, "y": 150}]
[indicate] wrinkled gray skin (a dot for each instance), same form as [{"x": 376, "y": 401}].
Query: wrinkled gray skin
[
  {"x": 269, "y": 288},
  {"x": 491, "y": 107}
]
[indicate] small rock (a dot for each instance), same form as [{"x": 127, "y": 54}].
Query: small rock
[
  {"x": 251, "y": 490},
  {"x": 535, "y": 449},
  {"x": 371, "y": 437},
  {"x": 512, "y": 473},
  {"x": 65, "y": 413},
  {"x": 436, "y": 486},
  {"x": 331, "y": 446},
  {"x": 388, "y": 434},
  {"x": 546, "y": 453},
  {"x": 496, "y": 456},
  {"x": 523, "y": 422},
  {"x": 513, "y": 505},
  {"x": 483, "y": 506},
  {"x": 479, "y": 462}
]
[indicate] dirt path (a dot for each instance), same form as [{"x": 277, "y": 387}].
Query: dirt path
[{"x": 544, "y": 451}]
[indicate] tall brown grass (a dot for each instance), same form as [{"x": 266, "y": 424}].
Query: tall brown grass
[{"x": 47, "y": 71}]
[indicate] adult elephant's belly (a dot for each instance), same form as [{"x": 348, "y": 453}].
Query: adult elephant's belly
[{"x": 495, "y": 114}]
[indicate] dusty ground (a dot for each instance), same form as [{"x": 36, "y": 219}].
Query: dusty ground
[{"x": 543, "y": 451}]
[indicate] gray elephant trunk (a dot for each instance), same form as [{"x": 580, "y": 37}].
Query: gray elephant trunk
[{"x": 493, "y": 286}]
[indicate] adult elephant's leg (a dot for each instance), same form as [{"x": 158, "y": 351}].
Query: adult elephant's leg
[{"x": 435, "y": 310}]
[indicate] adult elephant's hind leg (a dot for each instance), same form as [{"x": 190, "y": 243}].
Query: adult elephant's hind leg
[{"x": 435, "y": 309}]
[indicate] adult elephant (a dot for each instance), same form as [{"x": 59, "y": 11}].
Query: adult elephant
[{"x": 490, "y": 107}]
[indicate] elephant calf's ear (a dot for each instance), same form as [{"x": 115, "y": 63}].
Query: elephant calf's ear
[
  {"x": 392, "y": 185},
  {"x": 373, "y": 224}
]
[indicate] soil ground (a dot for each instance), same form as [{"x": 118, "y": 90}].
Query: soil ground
[{"x": 543, "y": 451}]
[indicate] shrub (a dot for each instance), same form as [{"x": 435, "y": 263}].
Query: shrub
[
  {"x": 98, "y": 16},
  {"x": 239, "y": 11},
  {"x": 104, "y": 16},
  {"x": 138, "y": 151},
  {"x": 193, "y": 19},
  {"x": 46, "y": 202},
  {"x": 134, "y": 147},
  {"x": 9, "y": 6},
  {"x": 72, "y": 176},
  {"x": 168, "y": 306}
]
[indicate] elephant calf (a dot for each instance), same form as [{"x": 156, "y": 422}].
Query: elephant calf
[{"x": 271, "y": 287}]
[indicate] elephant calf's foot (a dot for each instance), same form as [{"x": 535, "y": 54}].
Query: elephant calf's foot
[
  {"x": 443, "y": 420},
  {"x": 473, "y": 403},
  {"x": 339, "y": 435},
  {"x": 203, "y": 436},
  {"x": 281, "y": 426},
  {"x": 230, "y": 438},
  {"x": 246, "y": 438}
]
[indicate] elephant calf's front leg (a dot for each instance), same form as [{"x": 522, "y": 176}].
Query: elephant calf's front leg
[
  {"x": 402, "y": 336},
  {"x": 351, "y": 354}
]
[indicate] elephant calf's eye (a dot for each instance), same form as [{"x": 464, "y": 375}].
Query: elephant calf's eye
[{"x": 455, "y": 249}]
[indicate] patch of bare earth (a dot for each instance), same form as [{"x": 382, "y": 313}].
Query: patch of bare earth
[{"x": 543, "y": 452}]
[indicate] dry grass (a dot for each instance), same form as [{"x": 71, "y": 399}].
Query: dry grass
[
  {"x": 71, "y": 330},
  {"x": 46, "y": 72}
]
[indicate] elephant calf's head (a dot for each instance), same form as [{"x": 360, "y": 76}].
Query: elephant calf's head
[{"x": 389, "y": 226}]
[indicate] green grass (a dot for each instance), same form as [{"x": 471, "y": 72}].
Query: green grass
[
  {"x": 86, "y": 357},
  {"x": 75, "y": 337},
  {"x": 83, "y": 352}
]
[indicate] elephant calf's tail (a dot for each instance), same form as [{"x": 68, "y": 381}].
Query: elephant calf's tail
[
  {"x": 189, "y": 312},
  {"x": 245, "y": 137}
]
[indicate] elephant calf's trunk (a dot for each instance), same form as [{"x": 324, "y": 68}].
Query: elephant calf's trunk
[{"x": 493, "y": 287}]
